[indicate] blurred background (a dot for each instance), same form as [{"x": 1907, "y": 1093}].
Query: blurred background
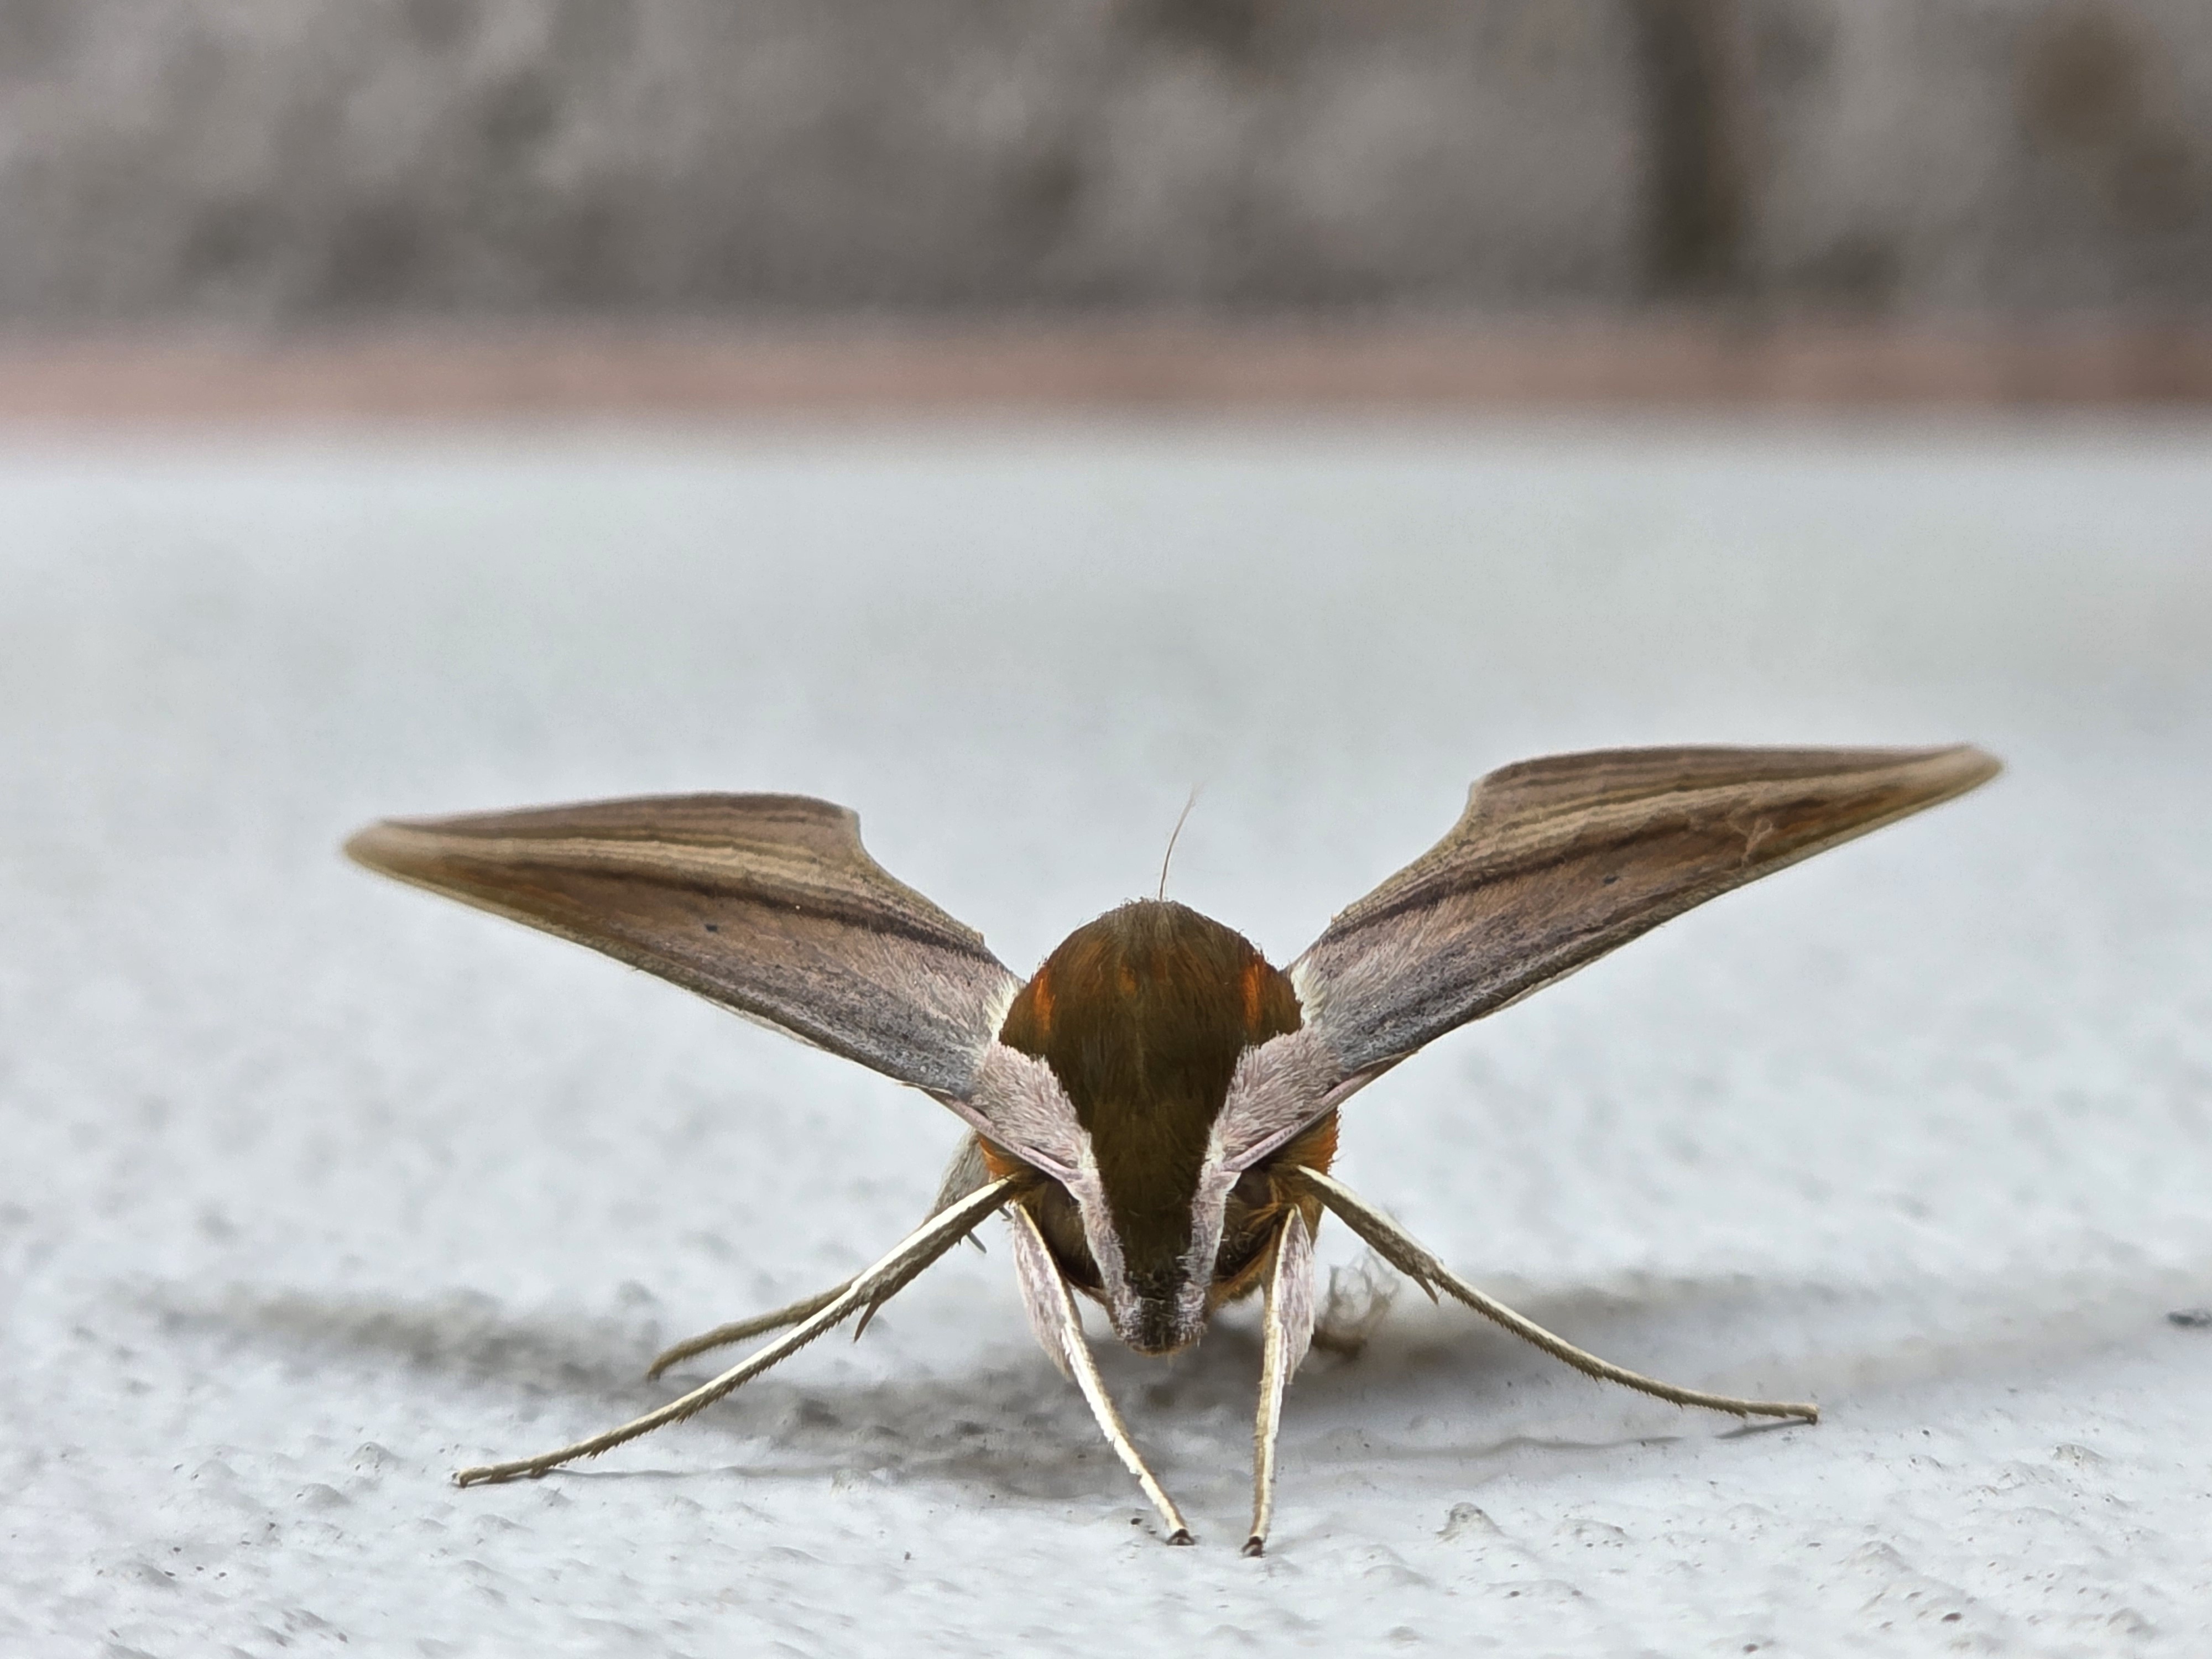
[{"x": 1976, "y": 199}]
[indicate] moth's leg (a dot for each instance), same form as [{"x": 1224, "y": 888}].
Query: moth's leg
[
  {"x": 1401, "y": 1252},
  {"x": 759, "y": 1325},
  {"x": 1290, "y": 1324},
  {"x": 1059, "y": 1328},
  {"x": 966, "y": 1173},
  {"x": 963, "y": 1176},
  {"x": 889, "y": 1276}
]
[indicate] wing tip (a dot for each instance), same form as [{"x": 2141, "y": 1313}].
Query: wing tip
[
  {"x": 362, "y": 846},
  {"x": 1963, "y": 766},
  {"x": 382, "y": 846}
]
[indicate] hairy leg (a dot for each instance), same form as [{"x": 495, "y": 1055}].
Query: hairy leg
[
  {"x": 1057, "y": 1326},
  {"x": 1290, "y": 1325},
  {"x": 963, "y": 1176},
  {"x": 1401, "y": 1252},
  {"x": 889, "y": 1276},
  {"x": 759, "y": 1325}
]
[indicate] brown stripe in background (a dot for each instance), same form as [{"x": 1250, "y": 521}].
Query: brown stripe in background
[{"x": 707, "y": 372}]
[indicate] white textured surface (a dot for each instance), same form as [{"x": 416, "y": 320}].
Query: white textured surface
[{"x": 315, "y": 1188}]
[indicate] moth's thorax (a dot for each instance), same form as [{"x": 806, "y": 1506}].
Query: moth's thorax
[{"x": 1142, "y": 1015}]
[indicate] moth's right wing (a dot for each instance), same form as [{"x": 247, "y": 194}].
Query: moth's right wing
[
  {"x": 767, "y": 904},
  {"x": 1555, "y": 862}
]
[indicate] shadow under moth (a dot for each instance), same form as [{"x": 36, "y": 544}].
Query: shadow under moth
[{"x": 1155, "y": 1110}]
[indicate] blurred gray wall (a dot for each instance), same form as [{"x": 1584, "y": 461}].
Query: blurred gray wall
[{"x": 278, "y": 160}]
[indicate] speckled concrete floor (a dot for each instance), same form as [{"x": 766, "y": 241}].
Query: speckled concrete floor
[{"x": 315, "y": 1188}]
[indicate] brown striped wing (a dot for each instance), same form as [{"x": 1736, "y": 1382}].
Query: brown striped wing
[
  {"x": 767, "y": 904},
  {"x": 1557, "y": 861}
]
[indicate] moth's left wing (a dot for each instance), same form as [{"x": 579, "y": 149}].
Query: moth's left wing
[
  {"x": 1557, "y": 861},
  {"x": 767, "y": 904}
]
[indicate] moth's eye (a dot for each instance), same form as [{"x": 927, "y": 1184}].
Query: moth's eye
[{"x": 1253, "y": 1189}]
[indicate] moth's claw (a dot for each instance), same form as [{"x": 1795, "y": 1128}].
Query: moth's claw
[{"x": 1181, "y": 1536}]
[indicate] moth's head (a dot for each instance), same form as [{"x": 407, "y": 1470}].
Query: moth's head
[{"x": 1142, "y": 1015}]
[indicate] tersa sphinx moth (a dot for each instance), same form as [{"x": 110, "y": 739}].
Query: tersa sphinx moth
[{"x": 1155, "y": 1110}]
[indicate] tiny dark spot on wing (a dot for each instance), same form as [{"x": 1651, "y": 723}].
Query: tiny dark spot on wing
[
  {"x": 713, "y": 927},
  {"x": 1610, "y": 880},
  {"x": 2191, "y": 1319}
]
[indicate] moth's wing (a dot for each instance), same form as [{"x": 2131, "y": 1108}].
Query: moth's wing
[
  {"x": 767, "y": 904},
  {"x": 1557, "y": 861}
]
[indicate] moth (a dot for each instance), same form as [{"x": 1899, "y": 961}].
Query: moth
[{"x": 1154, "y": 1111}]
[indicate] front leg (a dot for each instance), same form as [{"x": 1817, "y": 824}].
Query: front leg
[
  {"x": 1289, "y": 1327},
  {"x": 1059, "y": 1330}
]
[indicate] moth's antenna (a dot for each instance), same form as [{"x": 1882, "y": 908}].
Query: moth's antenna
[{"x": 1172, "y": 834}]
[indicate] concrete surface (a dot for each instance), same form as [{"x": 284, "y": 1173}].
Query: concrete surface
[{"x": 315, "y": 1187}]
